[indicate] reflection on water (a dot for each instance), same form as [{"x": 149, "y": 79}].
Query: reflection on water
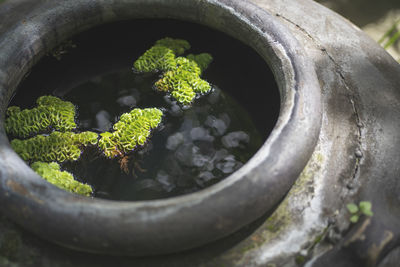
[{"x": 193, "y": 148}]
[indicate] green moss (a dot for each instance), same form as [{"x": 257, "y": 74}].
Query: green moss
[
  {"x": 300, "y": 260},
  {"x": 51, "y": 172},
  {"x": 57, "y": 146},
  {"x": 132, "y": 130},
  {"x": 282, "y": 217},
  {"x": 50, "y": 113},
  {"x": 278, "y": 220},
  {"x": 10, "y": 245}
]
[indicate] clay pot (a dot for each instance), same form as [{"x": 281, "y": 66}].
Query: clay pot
[{"x": 180, "y": 223}]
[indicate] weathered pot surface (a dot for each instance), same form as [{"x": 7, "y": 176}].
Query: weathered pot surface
[
  {"x": 180, "y": 223},
  {"x": 355, "y": 159}
]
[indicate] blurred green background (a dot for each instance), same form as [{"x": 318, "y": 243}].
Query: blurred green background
[{"x": 379, "y": 19}]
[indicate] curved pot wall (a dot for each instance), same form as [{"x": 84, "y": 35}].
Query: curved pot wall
[
  {"x": 181, "y": 223},
  {"x": 355, "y": 159}
]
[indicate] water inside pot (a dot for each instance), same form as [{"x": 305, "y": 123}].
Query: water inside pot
[{"x": 194, "y": 147}]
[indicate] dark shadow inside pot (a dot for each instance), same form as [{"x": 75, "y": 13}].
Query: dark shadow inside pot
[{"x": 93, "y": 70}]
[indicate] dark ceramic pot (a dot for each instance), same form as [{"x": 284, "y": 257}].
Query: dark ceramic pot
[{"x": 180, "y": 223}]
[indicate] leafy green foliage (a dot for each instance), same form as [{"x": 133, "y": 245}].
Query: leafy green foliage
[
  {"x": 183, "y": 92},
  {"x": 353, "y": 208},
  {"x": 178, "y": 46},
  {"x": 181, "y": 75},
  {"x": 157, "y": 58},
  {"x": 183, "y": 82},
  {"x": 161, "y": 56},
  {"x": 51, "y": 172},
  {"x": 57, "y": 146},
  {"x": 51, "y": 112},
  {"x": 366, "y": 208},
  {"x": 203, "y": 60},
  {"x": 132, "y": 130},
  {"x": 363, "y": 208}
]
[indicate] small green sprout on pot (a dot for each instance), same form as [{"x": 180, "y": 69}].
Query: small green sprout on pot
[
  {"x": 363, "y": 208},
  {"x": 181, "y": 75}
]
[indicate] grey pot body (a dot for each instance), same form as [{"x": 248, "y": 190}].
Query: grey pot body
[{"x": 336, "y": 136}]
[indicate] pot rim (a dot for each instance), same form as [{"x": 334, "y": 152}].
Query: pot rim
[{"x": 178, "y": 223}]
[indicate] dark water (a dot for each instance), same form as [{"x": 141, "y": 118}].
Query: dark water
[{"x": 194, "y": 147}]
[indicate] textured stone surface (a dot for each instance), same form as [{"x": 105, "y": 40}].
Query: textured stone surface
[{"x": 359, "y": 82}]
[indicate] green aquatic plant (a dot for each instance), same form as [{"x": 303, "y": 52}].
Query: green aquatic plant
[
  {"x": 132, "y": 130},
  {"x": 363, "y": 208},
  {"x": 181, "y": 76},
  {"x": 161, "y": 56},
  {"x": 157, "y": 58},
  {"x": 184, "y": 81},
  {"x": 51, "y": 172},
  {"x": 57, "y": 146},
  {"x": 203, "y": 60},
  {"x": 50, "y": 113},
  {"x": 179, "y": 46}
]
